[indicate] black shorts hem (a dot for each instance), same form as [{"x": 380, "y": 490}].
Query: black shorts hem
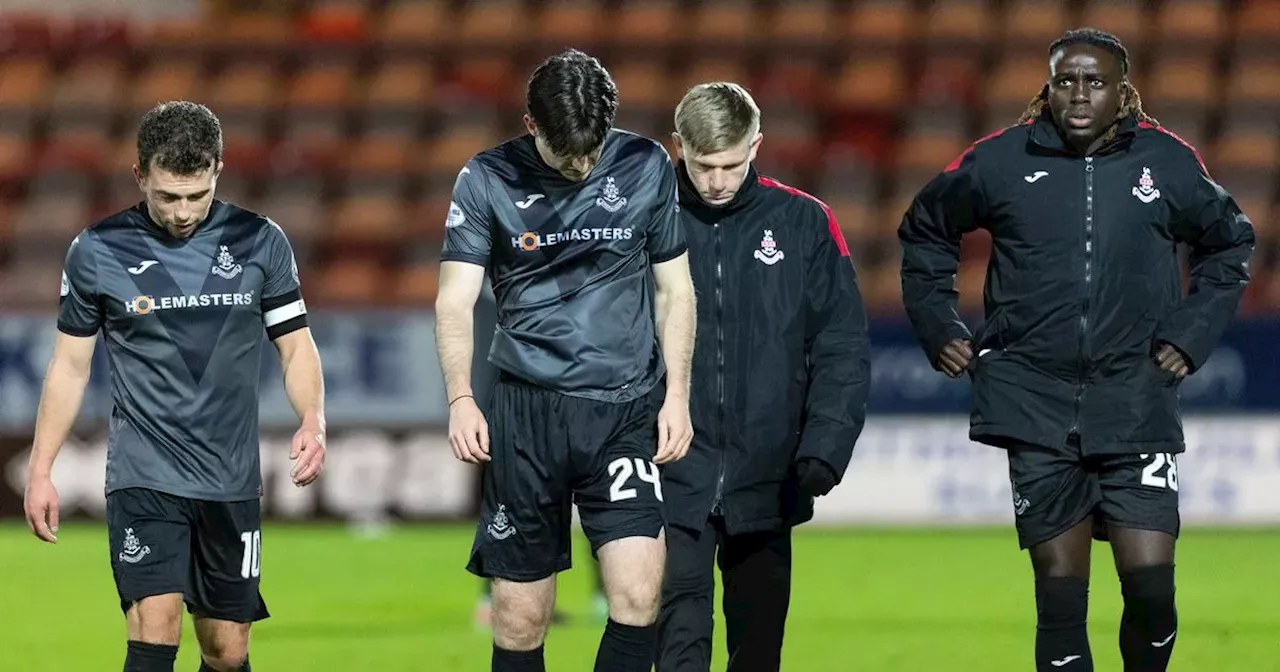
[
  {"x": 1148, "y": 527},
  {"x": 1026, "y": 541},
  {"x": 127, "y": 599},
  {"x": 647, "y": 529},
  {"x": 232, "y": 617},
  {"x": 478, "y": 569}
]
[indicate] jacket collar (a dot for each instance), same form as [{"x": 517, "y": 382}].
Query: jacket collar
[
  {"x": 1044, "y": 133},
  {"x": 691, "y": 201}
]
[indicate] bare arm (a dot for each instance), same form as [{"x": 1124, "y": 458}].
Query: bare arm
[
  {"x": 64, "y": 384},
  {"x": 303, "y": 377},
  {"x": 676, "y": 319},
  {"x": 460, "y": 285}
]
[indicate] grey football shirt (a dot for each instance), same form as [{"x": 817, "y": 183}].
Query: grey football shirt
[
  {"x": 183, "y": 324},
  {"x": 570, "y": 261}
]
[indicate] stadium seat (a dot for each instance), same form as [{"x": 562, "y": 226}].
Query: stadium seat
[
  {"x": 1252, "y": 148},
  {"x": 448, "y": 152},
  {"x": 349, "y": 280},
  {"x": 480, "y": 26},
  {"x": 647, "y": 24},
  {"x": 879, "y": 24},
  {"x": 1126, "y": 20},
  {"x": 794, "y": 81},
  {"x": 1182, "y": 83},
  {"x": 31, "y": 283},
  {"x": 15, "y": 159},
  {"x": 724, "y": 23},
  {"x": 25, "y": 84},
  {"x": 957, "y": 24},
  {"x": 578, "y": 22},
  {"x": 873, "y": 83},
  {"x": 642, "y": 84},
  {"x": 369, "y": 218},
  {"x": 1010, "y": 88},
  {"x": 1191, "y": 24},
  {"x": 89, "y": 90},
  {"x": 239, "y": 33},
  {"x": 336, "y": 22},
  {"x": 948, "y": 83},
  {"x": 75, "y": 148},
  {"x": 490, "y": 79},
  {"x": 325, "y": 85},
  {"x": 294, "y": 205},
  {"x": 412, "y": 24},
  {"x": 311, "y": 144},
  {"x": 1257, "y": 27},
  {"x": 400, "y": 85},
  {"x": 248, "y": 88},
  {"x": 1254, "y": 83},
  {"x": 802, "y": 25},
  {"x": 163, "y": 80},
  {"x": 1032, "y": 25},
  {"x": 417, "y": 283}
]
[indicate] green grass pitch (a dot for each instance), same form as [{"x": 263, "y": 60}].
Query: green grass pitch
[{"x": 863, "y": 599}]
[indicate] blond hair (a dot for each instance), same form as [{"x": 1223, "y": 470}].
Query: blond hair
[{"x": 716, "y": 116}]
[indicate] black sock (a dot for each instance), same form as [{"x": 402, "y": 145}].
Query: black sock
[
  {"x": 204, "y": 667},
  {"x": 1062, "y": 608},
  {"x": 1150, "y": 621},
  {"x": 626, "y": 648},
  {"x": 518, "y": 661},
  {"x": 144, "y": 657}
]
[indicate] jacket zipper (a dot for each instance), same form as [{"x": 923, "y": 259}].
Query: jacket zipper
[
  {"x": 715, "y": 508},
  {"x": 1088, "y": 287}
]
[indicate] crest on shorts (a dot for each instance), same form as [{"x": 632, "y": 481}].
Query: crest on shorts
[
  {"x": 501, "y": 527},
  {"x": 133, "y": 549},
  {"x": 769, "y": 254},
  {"x": 227, "y": 266},
  {"x": 1146, "y": 190},
  {"x": 609, "y": 198},
  {"x": 1020, "y": 503}
]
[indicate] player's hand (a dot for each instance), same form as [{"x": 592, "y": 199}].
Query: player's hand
[
  {"x": 468, "y": 431},
  {"x": 308, "y": 455},
  {"x": 675, "y": 430},
  {"x": 1170, "y": 359},
  {"x": 955, "y": 357},
  {"x": 41, "y": 507}
]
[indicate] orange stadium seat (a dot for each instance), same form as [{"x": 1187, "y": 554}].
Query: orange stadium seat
[
  {"x": 25, "y": 83},
  {"x": 724, "y": 23},
  {"x": 247, "y": 88},
  {"x": 1010, "y": 88},
  {"x": 651, "y": 24},
  {"x": 1032, "y": 25},
  {"x": 417, "y": 283},
  {"x": 294, "y": 206},
  {"x": 311, "y": 144},
  {"x": 581, "y": 23},
  {"x": 871, "y": 83},
  {"x": 950, "y": 24},
  {"x": 76, "y": 149},
  {"x": 489, "y": 23},
  {"x": 643, "y": 84},
  {"x": 15, "y": 157},
  {"x": 1257, "y": 26},
  {"x": 336, "y": 22},
  {"x": 1191, "y": 24},
  {"x": 448, "y": 152},
  {"x": 91, "y": 86},
  {"x": 413, "y": 23},
  {"x": 349, "y": 279},
  {"x": 1178, "y": 82},
  {"x": 1252, "y": 148},
  {"x": 164, "y": 80},
  {"x": 1124, "y": 19},
  {"x": 375, "y": 217},
  {"x": 877, "y": 24},
  {"x": 407, "y": 84},
  {"x": 1254, "y": 82},
  {"x": 384, "y": 154},
  {"x": 804, "y": 24},
  {"x": 490, "y": 78},
  {"x": 251, "y": 32},
  {"x": 324, "y": 85}
]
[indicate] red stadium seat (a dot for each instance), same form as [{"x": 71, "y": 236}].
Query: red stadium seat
[{"x": 413, "y": 24}]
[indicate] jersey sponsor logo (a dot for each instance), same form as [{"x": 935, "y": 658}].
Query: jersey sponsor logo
[
  {"x": 145, "y": 305},
  {"x": 610, "y": 199},
  {"x": 142, "y": 267},
  {"x": 227, "y": 266},
  {"x": 769, "y": 254},
  {"x": 532, "y": 198},
  {"x": 1146, "y": 190},
  {"x": 530, "y": 240}
]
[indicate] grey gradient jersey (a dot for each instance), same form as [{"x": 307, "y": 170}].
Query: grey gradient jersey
[
  {"x": 183, "y": 323},
  {"x": 570, "y": 261}
]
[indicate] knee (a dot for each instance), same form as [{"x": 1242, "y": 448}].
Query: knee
[
  {"x": 156, "y": 620},
  {"x": 635, "y": 603},
  {"x": 1148, "y": 589},
  {"x": 519, "y": 625},
  {"x": 1061, "y": 602},
  {"x": 227, "y": 654}
]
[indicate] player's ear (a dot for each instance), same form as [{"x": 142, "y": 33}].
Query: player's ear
[
  {"x": 217, "y": 169},
  {"x": 755, "y": 146},
  {"x": 679, "y": 145},
  {"x": 529, "y": 125},
  {"x": 138, "y": 176}
]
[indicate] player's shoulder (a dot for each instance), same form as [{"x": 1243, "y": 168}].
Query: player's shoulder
[
  {"x": 795, "y": 197},
  {"x": 251, "y": 222},
  {"x": 997, "y": 145},
  {"x": 1164, "y": 142},
  {"x": 629, "y": 143}
]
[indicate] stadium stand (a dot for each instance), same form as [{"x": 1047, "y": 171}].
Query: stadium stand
[{"x": 347, "y": 119}]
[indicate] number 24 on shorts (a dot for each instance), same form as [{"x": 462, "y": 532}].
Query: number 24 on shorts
[
  {"x": 1170, "y": 478},
  {"x": 621, "y": 471}
]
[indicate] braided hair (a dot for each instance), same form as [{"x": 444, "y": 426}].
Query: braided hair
[{"x": 1110, "y": 43}]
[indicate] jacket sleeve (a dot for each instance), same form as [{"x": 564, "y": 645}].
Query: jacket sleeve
[
  {"x": 1220, "y": 239},
  {"x": 944, "y": 210},
  {"x": 839, "y": 357}
]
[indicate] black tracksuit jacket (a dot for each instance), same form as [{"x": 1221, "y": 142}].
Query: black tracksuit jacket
[
  {"x": 781, "y": 364},
  {"x": 1083, "y": 284}
]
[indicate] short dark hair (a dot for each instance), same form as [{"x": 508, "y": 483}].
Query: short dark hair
[
  {"x": 181, "y": 137},
  {"x": 573, "y": 101}
]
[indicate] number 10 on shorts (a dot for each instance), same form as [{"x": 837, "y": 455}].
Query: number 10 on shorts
[
  {"x": 1170, "y": 478},
  {"x": 251, "y": 564},
  {"x": 621, "y": 471}
]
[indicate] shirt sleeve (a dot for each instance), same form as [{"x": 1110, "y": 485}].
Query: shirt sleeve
[
  {"x": 283, "y": 310},
  {"x": 80, "y": 303},
  {"x": 468, "y": 228},
  {"x": 665, "y": 238}
]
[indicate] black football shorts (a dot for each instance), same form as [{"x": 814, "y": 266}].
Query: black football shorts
[
  {"x": 550, "y": 451},
  {"x": 210, "y": 552},
  {"x": 1054, "y": 489}
]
